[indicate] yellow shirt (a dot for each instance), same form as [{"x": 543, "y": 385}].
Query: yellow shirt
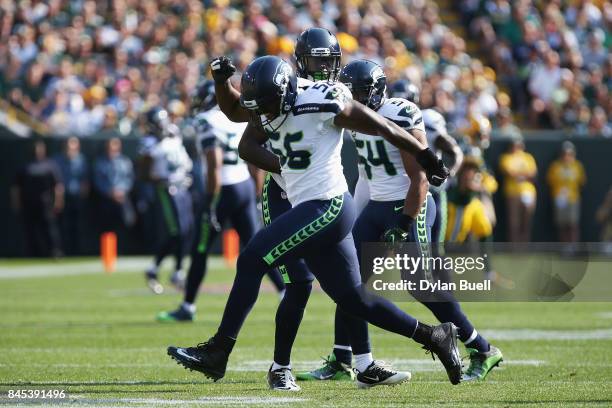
[
  {"x": 466, "y": 220},
  {"x": 565, "y": 180},
  {"x": 519, "y": 163}
]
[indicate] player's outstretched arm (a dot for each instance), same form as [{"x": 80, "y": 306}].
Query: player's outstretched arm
[
  {"x": 448, "y": 145},
  {"x": 251, "y": 150},
  {"x": 361, "y": 119},
  {"x": 228, "y": 98},
  {"x": 417, "y": 192}
]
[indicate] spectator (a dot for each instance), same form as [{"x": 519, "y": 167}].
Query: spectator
[
  {"x": 543, "y": 81},
  {"x": 566, "y": 177},
  {"x": 519, "y": 170},
  {"x": 38, "y": 196},
  {"x": 113, "y": 179},
  {"x": 75, "y": 174}
]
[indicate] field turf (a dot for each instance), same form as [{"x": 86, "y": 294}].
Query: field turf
[{"x": 68, "y": 326}]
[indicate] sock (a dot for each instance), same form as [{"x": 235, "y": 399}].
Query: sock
[
  {"x": 343, "y": 354},
  {"x": 225, "y": 343},
  {"x": 190, "y": 307},
  {"x": 363, "y": 361},
  {"x": 476, "y": 341},
  {"x": 276, "y": 366},
  {"x": 422, "y": 333}
]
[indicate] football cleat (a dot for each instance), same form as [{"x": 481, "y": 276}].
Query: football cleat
[
  {"x": 178, "y": 279},
  {"x": 153, "y": 283},
  {"x": 443, "y": 343},
  {"x": 207, "y": 358},
  {"x": 282, "y": 379},
  {"x": 481, "y": 363},
  {"x": 380, "y": 373},
  {"x": 332, "y": 369},
  {"x": 179, "y": 315}
]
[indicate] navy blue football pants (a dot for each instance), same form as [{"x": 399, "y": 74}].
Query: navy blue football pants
[
  {"x": 374, "y": 220},
  {"x": 175, "y": 209},
  {"x": 319, "y": 231},
  {"x": 236, "y": 206}
]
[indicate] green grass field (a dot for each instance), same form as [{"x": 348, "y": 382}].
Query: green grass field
[{"x": 66, "y": 325}]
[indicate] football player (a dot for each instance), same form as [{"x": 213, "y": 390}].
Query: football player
[
  {"x": 403, "y": 88},
  {"x": 230, "y": 194},
  {"x": 167, "y": 166},
  {"x": 305, "y": 130},
  {"x": 397, "y": 191}
]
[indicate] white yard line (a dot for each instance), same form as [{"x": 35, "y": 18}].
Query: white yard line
[{"x": 130, "y": 402}]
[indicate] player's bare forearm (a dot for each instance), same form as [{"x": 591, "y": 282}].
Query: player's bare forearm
[
  {"x": 214, "y": 161},
  {"x": 417, "y": 192},
  {"x": 228, "y": 99},
  {"x": 251, "y": 150},
  {"x": 362, "y": 119},
  {"x": 258, "y": 177},
  {"x": 449, "y": 146}
]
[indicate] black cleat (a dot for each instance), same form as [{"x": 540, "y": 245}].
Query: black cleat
[
  {"x": 179, "y": 315},
  {"x": 282, "y": 380},
  {"x": 380, "y": 373},
  {"x": 207, "y": 358},
  {"x": 443, "y": 343}
]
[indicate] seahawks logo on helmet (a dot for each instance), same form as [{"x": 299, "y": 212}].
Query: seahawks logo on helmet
[
  {"x": 281, "y": 77},
  {"x": 377, "y": 73}
]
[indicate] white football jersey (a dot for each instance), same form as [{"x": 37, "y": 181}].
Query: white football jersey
[
  {"x": 379, "y": 160},
  {"x": 214, "y": 129},
  {"x": 309, "y": 144},
  {"x": 171, "y": 163},
  {"x": 302, "y": 84}
]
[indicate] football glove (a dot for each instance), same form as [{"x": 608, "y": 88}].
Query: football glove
[
  {"x": 222, "y": 69},
  {"x": 210, "y": 212},
  {"x": 401, "y": 231},
  {"x": 434, "y": 167}
]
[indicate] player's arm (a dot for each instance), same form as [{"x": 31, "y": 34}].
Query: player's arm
[
  {"x": 258, "y": 176},
  {"x": 251, "y": 150},
  {"x": 228, "y": 98},
  {"x": 415, "y": 197},
  {"x": 449, "y": 145},
  {"x": 359, "y": 118},
  {"x": 417, "y": 192}
]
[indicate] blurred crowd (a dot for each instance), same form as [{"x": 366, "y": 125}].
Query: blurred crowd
[
  {"x": 553, "y": 56},
  {"x": 86, "y": 67}
]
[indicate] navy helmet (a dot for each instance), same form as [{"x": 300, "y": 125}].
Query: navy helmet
[
  {"x": 204, "y": 97},
  {"x": 268, "y": 90},
  {"x": 156, "y": 121},
  {"x": 318, "y": 55},
  {"x": 405, "y": 89},
  {"x": 367, "y": 82}
]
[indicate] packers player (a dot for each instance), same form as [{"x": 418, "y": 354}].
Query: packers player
[
  {"x": 398, "y": 197},
  {"x": 230, "y": 194},
  {"x": 305, "y": 129}
]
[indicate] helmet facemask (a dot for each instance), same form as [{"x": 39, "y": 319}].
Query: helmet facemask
[{"x": 319, "y": 65}]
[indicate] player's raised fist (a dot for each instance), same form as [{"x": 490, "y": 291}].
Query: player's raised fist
[
  {"x": 434, "y": 167},
  {"x": 222, "y": 69}
]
